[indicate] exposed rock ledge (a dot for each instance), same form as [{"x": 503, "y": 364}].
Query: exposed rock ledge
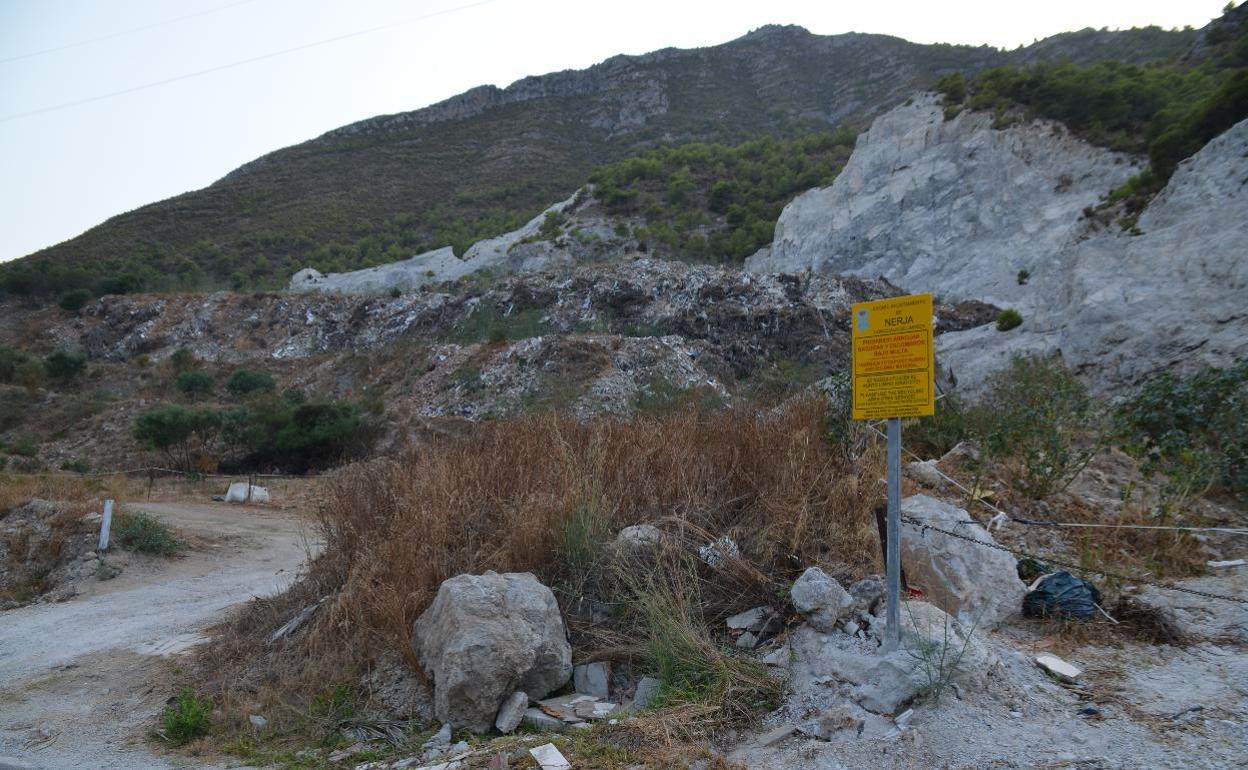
[{"x": 958, "y": 208}]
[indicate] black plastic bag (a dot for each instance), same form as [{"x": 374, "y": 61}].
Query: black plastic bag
[{"x": 1062, "y": 595}]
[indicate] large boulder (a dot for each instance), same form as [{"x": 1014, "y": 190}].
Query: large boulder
[
  {"x": 971, "y": 580},
  {"x": 485, "y": 637}
]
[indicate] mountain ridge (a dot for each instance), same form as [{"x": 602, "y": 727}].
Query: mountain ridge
[{"x": 483, "y": 162}]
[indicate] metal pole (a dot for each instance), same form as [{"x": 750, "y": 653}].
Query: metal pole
[{"x": 893, "y": 638}]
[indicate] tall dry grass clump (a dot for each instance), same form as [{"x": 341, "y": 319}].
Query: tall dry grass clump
[
  {"x": 543, "y": 493},
  {"x": 548, "y": 494}
]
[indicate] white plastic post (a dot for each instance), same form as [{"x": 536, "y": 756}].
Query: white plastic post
[{"x": 104, "y": 526}]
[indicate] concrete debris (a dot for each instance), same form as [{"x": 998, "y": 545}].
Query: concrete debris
[
  {"x": 1058, "y": 667},
  {"x": 564, "y": 706},
  {"x": 539, "y": 720},
  {"x": 511, "y": 712},
  {"x": 772, "y": 737},
  {"x": 486, "y": 636},
  {"x": 750, "y": 620},
  {"x": 867, "y": 593},
  {"x": 978, "y": 585},
  {"x": 820, "y": 599},
  {"x": 440, "y": 741},
  {"x": 237, "y": 493},
  {"x": 595, "y": 710},
  {"x": 593, "y": 679},
  {"x": 549, "y": 758},
  {"x": 778, "y": 657},
  {"x": 1227, "y": 564},
  {"x": 647, "y": 689}
]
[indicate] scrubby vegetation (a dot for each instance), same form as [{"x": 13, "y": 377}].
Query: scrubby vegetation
[
  {"x": 140, "y": 532},
  {"x": 268, "y": 431},
  {"x": 187, "y": 718},
  {"x": 523, "y": 488},
  {"x": 715, "y": 202},
  {"x": 1193, "y": 429}
]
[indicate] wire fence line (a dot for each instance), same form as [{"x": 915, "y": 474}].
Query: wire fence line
[{"x": 1001, "y": 517}]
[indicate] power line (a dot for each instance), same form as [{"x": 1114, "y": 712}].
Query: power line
[
  {"x": 241, "y": 62},
  {"x": 124, "y": 32}
]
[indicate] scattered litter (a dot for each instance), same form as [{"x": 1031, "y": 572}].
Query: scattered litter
[
  {"x": 238, "y": 493},
  {"x": 1063, "y": 595},
  {"x": 1058, "y": 667},
  {"x": 1091, "y": 712},
  {"x": 257, "y": 721},
  {"x": 549, "y": 758},
  {"x": 1225, "y": 564},
  {"x": 1029, "y": 569},
  {"x": 714, "y": 554}
]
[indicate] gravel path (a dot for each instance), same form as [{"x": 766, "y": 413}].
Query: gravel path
[{"x": 79, "y": 680}]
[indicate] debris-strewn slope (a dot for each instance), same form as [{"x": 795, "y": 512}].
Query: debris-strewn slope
[{"x": 641, "y": 334}]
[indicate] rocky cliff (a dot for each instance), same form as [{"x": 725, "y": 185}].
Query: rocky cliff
[{"x": 959, "y": 208}]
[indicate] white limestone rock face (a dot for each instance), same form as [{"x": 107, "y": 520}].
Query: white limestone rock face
[
  {"x": 952, "y": 207},
  {"x": 959, "y": 208},
  {"x": 429, "y": 267}
]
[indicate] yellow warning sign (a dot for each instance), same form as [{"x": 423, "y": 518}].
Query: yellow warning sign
[{"x": 894, "y": 366}]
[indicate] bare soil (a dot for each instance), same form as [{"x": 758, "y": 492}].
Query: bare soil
[{"x": 82, "y": 681}]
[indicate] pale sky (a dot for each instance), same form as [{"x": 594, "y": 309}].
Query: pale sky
[{"x": 71, "y": 167}]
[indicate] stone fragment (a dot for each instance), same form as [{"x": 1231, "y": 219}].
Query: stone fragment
[
  {"x": 257, "y": 721},
  {"x": 638, "y": 537},
  {"x": 820, "y": 599},
  {"x": 1058, "y": 667},
  {"x": 716, "y": 553},
  {"x": 925, "y": 472},
  {"x": 564, "y": 706},
  {"x": 439, "y": 741},
  {"x": 747, "y": 641},
  {"x": 772, "y": 737},
  {"x": 647, "y": 689},
  {"x": 541, "y": 721},
  {"x": 486, "y": 636},
  {"x": 976, "y": 583},
  {"x": 511, "y": 712},
  {"x": 549, "y": 758},
  {"x": 750, "y": 620},
  {"x": 593, "y": 679}
]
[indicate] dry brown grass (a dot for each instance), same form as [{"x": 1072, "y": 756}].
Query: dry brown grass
[{"x": 546, "y": 494}]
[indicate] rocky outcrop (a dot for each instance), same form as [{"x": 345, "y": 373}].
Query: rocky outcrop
[
  {"x": 430, "y": 267},
  {"x": 484, "y": 638},
  {"x": 977, "y": 584},
  {"x": 959, "y": 208}
]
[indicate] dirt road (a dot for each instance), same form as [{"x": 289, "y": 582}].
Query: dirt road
[{"x": 78, "y": 679}]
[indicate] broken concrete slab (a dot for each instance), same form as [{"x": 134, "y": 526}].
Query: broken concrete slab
[
  {"x": 593, "y": 679},
  {"x": 564, "y": 706},
  {"x": 750, "y": 620},
  {"x": 1058, "y": 667},
  {"x": 594, "y": 710},
  {"x": 548, "y": 757},
  {"x": 539, "y": 720},
  {"x": 511, "y": 712}
]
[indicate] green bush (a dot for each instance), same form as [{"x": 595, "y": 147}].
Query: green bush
[
  {"x": 245, "y": 382},
  {"x": 1037, "y": 415},
  {"x": 1193, "y": 429},
  {"x": 126, "y": 283},
  {"x": 140, "y": 532},
  {"x": 1008, "y": 319},
  {"x": 64, "y": 366},
  {"x": 188, "y": 718},
  {"x": 77, "y": 466},
  {"x": 181, "y": 434},
  {"x": 10, "y": 360},
  {"x": 74, "y": 300},
  {"x": 194, "y": 383}
]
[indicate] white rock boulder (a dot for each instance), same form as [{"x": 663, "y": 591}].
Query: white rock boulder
[
  {"x": 820, "y": 599},
  {"x": 977, "y": 584},
  {"x": 485, "y": 637}
]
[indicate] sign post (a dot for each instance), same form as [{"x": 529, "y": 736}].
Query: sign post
[
  {"x": 105, "y": 524},
  {"x": 893, "y": 377}
]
